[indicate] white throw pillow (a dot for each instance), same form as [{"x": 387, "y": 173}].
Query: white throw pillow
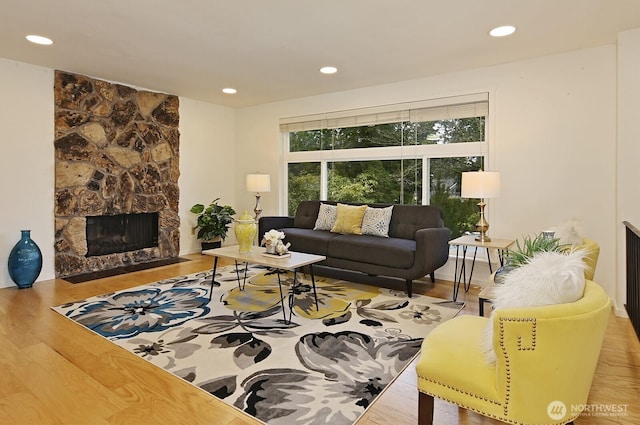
[
  {"x": 376, "y": 221},
  {"x": 568, "y": 233},
  {"x": 548, "y": 278},
  {"x": 326, "y": 217}
]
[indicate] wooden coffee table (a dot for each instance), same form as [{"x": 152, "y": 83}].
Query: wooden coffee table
[{"x": 291, "y": 262}]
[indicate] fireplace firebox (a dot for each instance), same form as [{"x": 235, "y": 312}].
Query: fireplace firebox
[{"x": 112, "y": 234}]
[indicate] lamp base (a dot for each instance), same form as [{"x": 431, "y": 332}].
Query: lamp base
[
  {"x": 482, "y": 225},
  {"x": 483, "y": 238},
  {"x": 257, "y": 209}
]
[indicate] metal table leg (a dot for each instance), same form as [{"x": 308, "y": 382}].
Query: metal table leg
[
  {"x": 291, "y": 297},
  {"x": 213, "y": 276},
  {"x": 244, "y": 281}
]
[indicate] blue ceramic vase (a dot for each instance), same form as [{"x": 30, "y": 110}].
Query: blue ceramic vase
[{"x": 25, "y": 261}]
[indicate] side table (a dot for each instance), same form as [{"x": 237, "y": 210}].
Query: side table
[
  {"x": 485, "y": 296},
  {"x": 467, "y": 241}
]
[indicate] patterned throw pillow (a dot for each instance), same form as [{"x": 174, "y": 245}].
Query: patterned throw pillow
[
  {"x": 326, "y": 217},
  {"x": 376, "y": 221}
]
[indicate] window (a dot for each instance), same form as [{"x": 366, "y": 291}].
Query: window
[{"x": 404, "y": 154}]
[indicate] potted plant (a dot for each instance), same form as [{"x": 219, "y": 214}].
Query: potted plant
[
  {"x": 530, "y": 246},
  {"x": 525, "y": 251},
  {"x": 213, "y": 223}
]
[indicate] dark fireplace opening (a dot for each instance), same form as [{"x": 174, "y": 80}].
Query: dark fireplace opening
[{"x": 111, "y": 234}]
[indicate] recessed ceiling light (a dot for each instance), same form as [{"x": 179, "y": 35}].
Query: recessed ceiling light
[
  {"x": 38, "y": 39},
  {"x": 502, "y": 31},
  {"x": 328, "y": 69},
  {"x": 229, "y": 90}
]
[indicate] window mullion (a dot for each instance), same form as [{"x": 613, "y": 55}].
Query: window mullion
[
  {"x": 426, "y": 180},
  {"x": 324, "y": 179}
]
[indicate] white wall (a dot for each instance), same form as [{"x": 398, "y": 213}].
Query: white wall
[
  {"x": 552, "y": 135},
  {"x": 628, "y": 206},
  {"x": 26, "y": 163},
  {"x": 207, "y": 163}
]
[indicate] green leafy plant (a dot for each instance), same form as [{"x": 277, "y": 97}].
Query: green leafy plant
[
  {"x": 213, "y": 220},
  {"x": 530, "y": 246}
]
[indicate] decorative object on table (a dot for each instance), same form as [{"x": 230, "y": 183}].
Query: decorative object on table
[
  {"x": 258, "y": 183},
  {"x": 548, "y": 234},
  {"x": 213, "y": 223},
  {"x": 502, "y": 272},
  {"x": 246, "y": 230},
  {"x": 272, "y": 240},
  {"x": 25, "y": 261},
  {"x": 481, "y": 185},
  {"x": 523, "y": 253},
  {"x": 531, "y": 246},
  {"x": 237, "y": 348}
]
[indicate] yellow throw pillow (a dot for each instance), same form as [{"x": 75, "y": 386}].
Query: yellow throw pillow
[{"x": 349, "y": 219}]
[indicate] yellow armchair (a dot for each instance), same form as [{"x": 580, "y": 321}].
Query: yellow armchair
[
  {"x": 546, "y": 359},
  {"x": 591, "y": 258}
]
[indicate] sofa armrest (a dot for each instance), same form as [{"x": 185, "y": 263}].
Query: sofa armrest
[
  {"x": 432, "y": 247},
  {"x": 273, "y": 222}
]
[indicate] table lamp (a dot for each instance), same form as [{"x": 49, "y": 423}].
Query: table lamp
[
  {"x": 481, "y": 185},
  {"x": 258, "y": 183}
]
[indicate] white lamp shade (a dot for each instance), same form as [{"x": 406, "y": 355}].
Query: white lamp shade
[
  {"x": 480, "y": 184},
  {"x": 258, "y": 183}
]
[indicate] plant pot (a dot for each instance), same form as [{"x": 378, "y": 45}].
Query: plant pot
[{"x": 211, "y": 244}]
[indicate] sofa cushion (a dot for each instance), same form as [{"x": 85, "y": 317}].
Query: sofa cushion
[
  {"x": 390, "y": 252},
  {"x": 326, "y": 217},
  {"x": 306, "y": 214},
  {"x": 308, "y": 240},
  {"x": 407, "y": 219},
  {"x": 349, "y": 219},
  {"x": 376, "y": 221}
]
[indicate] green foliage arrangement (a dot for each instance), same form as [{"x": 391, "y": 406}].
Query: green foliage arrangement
[
  {"x": 460, "y": 214},
  {"x": 213, "y": 220},
  {"x": 530, "y": 246}
]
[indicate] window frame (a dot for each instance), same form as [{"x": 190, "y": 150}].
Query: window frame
[{"x": 407, "y": 152}]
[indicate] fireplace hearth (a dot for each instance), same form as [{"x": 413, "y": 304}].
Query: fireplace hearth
[{"x": 112, "y": 234}]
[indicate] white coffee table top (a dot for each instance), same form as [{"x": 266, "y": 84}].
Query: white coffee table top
[{"x": 292, "y": 262}]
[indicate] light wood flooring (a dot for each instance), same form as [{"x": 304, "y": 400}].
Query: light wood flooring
[{"x": 55, "y": 372}]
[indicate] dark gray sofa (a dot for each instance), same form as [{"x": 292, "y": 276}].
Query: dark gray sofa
[{"x": 417, "y": 245}]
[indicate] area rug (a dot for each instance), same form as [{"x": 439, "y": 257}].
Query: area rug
[{"x": 326, "y": 366}]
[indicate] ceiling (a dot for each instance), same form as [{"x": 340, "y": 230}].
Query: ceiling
[{"x": 272, "y": 50}]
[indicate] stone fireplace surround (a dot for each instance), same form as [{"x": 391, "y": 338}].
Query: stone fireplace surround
[{"x": 116, "y": 152}]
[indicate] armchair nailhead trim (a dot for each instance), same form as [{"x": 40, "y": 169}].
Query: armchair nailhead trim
[
  {"x": 507, "y": 363},
  {"x": 467, "y": 393},
  {"x": 490, "y": 415}
]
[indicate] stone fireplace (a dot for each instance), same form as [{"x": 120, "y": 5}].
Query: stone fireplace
[{"x": 116, "y": 160}]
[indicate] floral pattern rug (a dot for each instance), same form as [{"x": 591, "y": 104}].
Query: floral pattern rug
[{"x": 326, "y": 366}]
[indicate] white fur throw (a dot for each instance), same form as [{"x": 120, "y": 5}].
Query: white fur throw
[{"x": 547, "y": 278}]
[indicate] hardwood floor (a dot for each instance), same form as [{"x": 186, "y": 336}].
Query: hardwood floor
[{"x": 55, "y": 372}]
